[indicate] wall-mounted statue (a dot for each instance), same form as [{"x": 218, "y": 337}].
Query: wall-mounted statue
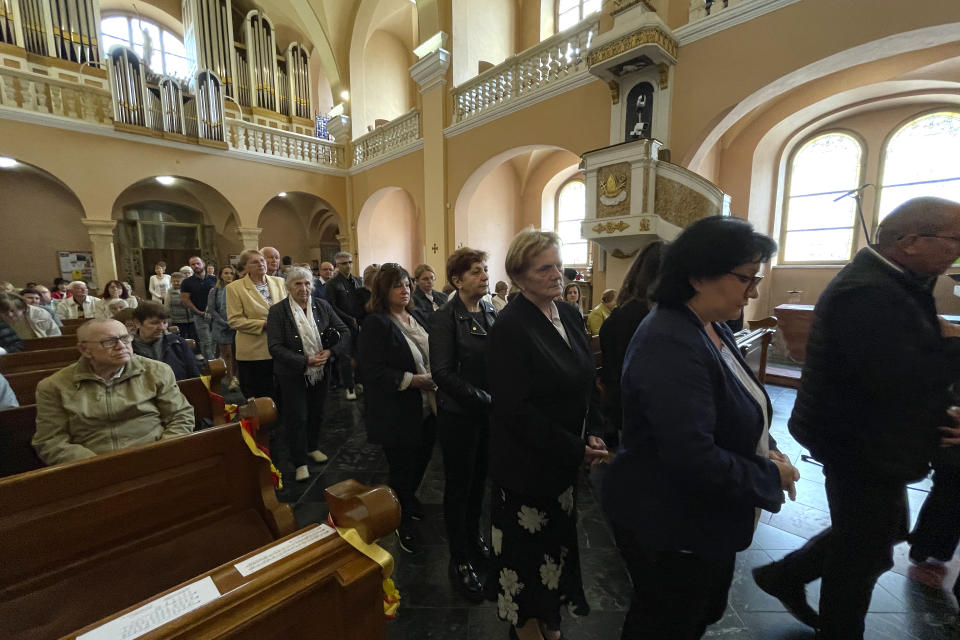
[{"x": 639, "y": 112}]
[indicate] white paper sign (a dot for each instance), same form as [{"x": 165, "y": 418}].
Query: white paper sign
[
  {"x": 157, "y": 613},
  {"x": 284, "y": 549}
]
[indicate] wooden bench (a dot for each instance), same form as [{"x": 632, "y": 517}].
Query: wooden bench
[
  {"x": 53, "y": 342},
  {"x": 37, "y": 360},
  {"x": 24, "y": 384},
  {"x": 82, "y": 541},
  {"x": 18, "y": 425}
]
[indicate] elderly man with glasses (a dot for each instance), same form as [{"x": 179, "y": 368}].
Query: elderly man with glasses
[{"x": 109, "y": 399}]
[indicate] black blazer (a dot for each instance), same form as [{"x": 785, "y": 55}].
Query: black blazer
[
  {"x": 540, "y": 389},
  {"x": 615, "y": 334},
  {"x": 458, "y": 345},
  {"x": 687, "y": 476},
  {"x": 339, "y": 292},
  {"x": 421, "y": 302},
  {"x": 283, "y": 336},
  {"x": 393, "y": 418},
  {"x": 176, "y": 354}
]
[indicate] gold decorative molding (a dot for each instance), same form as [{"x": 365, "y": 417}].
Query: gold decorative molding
[
  {"x": 664, "y": 76},
  {"x": 614, "y": 91},
  {"x": 621, "y": 5},
  {"x": 646, "y": 35},
  {"x": 610, "y": 227},
  {"x": 617, "y": 253},
  {"x": 644, "y": 224},
  {"x": 613, "y": 190},
  {"x": 680, "y": 205}
]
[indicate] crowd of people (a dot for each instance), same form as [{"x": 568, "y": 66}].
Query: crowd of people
[{"x": 507, "y": 384}]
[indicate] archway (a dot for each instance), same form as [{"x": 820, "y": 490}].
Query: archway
[
  {"x": 171, "y": 218},
  {"x": 387, "y": 230},
  {"x": 293, "y": 223},
  {"x": 31, "y": 251}
]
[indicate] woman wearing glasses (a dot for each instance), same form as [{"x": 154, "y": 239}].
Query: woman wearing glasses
[
  {"x": 696, "y": 451},
  {"x": 400, "y": 404}
]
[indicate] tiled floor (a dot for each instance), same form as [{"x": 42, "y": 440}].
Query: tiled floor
[{"x": 909, "y": 602}]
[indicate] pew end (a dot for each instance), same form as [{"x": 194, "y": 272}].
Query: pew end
[{"x": 373, "y": 511}]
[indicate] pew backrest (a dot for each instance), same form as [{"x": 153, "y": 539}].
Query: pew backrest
[
  {"x": 36, "y": 360},
  {"x": 53, "y": 342},
  {"x": 24, "y": 385},
  {"x": 82, "y": 540}
]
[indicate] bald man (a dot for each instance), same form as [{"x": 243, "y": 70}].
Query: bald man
[
  {"x": 872, "y": 407},
  {"x": 272, "y": 257},
  {"x": 109, "y": 399}
]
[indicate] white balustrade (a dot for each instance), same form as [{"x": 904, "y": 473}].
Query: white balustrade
[
  {"x": 21, "y": 88},
  {"x": 528, "y": 72},
  {"x": 392, "y": 137},
  {"x": 255, "y": 139},
  {"x": 700, "y": 9}
]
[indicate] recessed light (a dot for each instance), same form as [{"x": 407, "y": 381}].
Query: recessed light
[
  {"x": 7, "y": 163},
  {"x": 282, "y": 194},
  {"x": 165, "y": 180},
  {"x": 344, "y": 95}
]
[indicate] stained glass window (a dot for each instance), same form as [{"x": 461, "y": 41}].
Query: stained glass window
[
  {"x": 921, "y": 159},
  {"x": 819, "y": 227}
]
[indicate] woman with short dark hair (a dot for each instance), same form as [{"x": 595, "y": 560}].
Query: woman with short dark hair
[
  {"x": 159, "y": 282},
  {"x": 114, "y": 290},
  {"x": 458, "y": 343},
  {"x": 571, "y": 294},
  {"x": 400, "y": 402},
  {"x": 697, "y": 462},
  {"x": 59, "y": 291},
  {"x": 152, "y": 341}
]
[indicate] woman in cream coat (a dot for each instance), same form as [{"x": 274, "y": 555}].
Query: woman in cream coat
[{"x": 248, "y": 301}]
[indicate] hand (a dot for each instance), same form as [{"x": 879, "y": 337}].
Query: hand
[
  {"x": 595, "y": 451},
  {"x": 951, "y": 435},
  {"x": 948, "y": 329},
  {"x": 788, "y": 477},
  {"x": 319, "y": 359},
  {"x": 423, "y": 381}
]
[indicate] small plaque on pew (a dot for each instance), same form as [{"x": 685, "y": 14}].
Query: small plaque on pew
[
  {"x": 157, "y": 613},
  {"x": 282, "y": 550}
]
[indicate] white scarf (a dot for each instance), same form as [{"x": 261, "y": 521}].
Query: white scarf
[{"x": 310, "y": 337}]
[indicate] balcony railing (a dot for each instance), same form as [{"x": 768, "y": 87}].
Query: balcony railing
[
  {"x": 256, "y": 139},
  {"x": 82, "y": 93},
  {"x": 526, "y": 73},
  {"x": 388, "y": 139}
]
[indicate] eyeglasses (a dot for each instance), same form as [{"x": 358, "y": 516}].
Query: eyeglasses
[
  {"x": 752, "y": 282},
  {"x": 111, "y": 343}
]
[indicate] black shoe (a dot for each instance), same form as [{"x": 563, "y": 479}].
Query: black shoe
[
  {"x": 465, "y": 580},
  {"x": 792, "y": 596},
  {"x": 407, "y": 536}
]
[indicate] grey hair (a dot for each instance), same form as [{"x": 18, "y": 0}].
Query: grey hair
[
  {"x": 75, "y": 283},
  {"x": 298, "y": 273},
  {"x": 342, "y": 254}
]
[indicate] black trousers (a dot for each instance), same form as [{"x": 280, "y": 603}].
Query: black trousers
[
  {"x": 408, "y": 463},
  {"x": 256, "y": 378},
  {"x": 937, "y": 531},
  {"x": 465, "y": 445},
  {"x": 676, "y": 595},
  {"x": 345, "y": 366},
  {"x": 868, "y": 517},
  {"x": 301, "y": 410}
]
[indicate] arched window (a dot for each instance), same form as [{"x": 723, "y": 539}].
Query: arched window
[
  {"x": 168, "y": 57},
  {"x": 817, "y": 227},
  {"x": 571, "y": 12},
  {"x": 571, "y": 210},
  {"x": 922, "y": 159}
]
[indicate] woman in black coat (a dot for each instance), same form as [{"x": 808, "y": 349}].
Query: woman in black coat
[
  {"x": 541, "y": 372},
  {"x": 300, "y": 343},
  {"x": 458, "y": 344},
  {"x": 400, "y": 403}
]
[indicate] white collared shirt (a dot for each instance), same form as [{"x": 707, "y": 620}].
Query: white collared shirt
[
  {"x": 558, "y": 325},
  {"x": 890, "y": 263}
]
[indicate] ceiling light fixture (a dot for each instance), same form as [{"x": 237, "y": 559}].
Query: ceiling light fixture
[
  {"x": 165, "y": 180},
  {"x": 282, "y": 194},
  {"x": 7, "y": 163}
]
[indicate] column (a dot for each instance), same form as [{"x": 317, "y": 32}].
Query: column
[
  {"x": 101, "y": 241},
  {"x": 430, "y": 74},
  {"x": 249, "y": 237}
]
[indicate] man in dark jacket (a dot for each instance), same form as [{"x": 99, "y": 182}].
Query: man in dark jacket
[
  {"x": 152, "y": 341},
  {"x": 341, "y": 293},
  {"x": 872, "y": 407}
]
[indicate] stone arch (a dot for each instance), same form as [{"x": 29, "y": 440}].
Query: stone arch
[
  {"x": 388, "y": 230},
  {"x": 30, "y": 250}
]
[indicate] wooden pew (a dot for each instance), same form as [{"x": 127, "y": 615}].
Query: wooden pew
[
  {"x": 18, "y": 425},
  {"x": 24, "y": 384},
  {"x": 70, "y": 326},
  {"x": 754, "y": 344},
  {"x": 36, "y": 360},
  {"x": 53, "y": 342}
]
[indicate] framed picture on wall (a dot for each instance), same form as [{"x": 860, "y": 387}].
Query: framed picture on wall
[{"x": 77, "y": 265}]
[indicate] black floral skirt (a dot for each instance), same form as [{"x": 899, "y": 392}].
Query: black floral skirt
[{"x": 535, "y": 567}]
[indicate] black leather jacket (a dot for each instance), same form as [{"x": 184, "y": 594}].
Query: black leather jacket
[{"x": 458, "y": 346}]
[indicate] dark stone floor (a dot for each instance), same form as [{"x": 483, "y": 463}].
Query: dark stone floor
[{"x": 908, "y": 602}]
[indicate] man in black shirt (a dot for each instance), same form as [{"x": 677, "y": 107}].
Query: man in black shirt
[
  {"x": 194, "y": 291},
  {"x": 341, "y": 293}
]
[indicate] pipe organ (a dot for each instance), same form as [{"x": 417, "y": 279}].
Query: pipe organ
[
  {"x": 66, "y": 29},
  {"x": 129, "y": 88},
  {"x": 262, "y": 60},
  {"x": 208, "y": 38},
  {"x": 209, "y": 105},
  {"x": 298, "y": 79}
]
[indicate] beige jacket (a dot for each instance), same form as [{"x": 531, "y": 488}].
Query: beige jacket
[
  {"x": 247, "y": 313},
  {"x": 35, "y": 323},
  {"x": 67, "y": 308},
  {"x": 80, "y": 416}
]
